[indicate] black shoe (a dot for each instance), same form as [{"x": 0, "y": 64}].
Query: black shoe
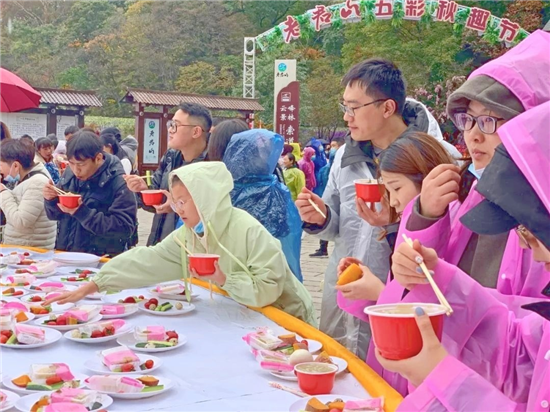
[{"x": 319, "y": 253}]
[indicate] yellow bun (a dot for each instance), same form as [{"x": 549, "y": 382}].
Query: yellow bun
[{"x": 352, "y": 273}]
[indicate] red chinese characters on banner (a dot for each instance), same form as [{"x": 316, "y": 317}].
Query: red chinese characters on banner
[
  {"x": 478, "y": 19},
  {"x": 508, "y": 30},
  {"x": 291, "y": 30},
  {"x": 288, "y": 109},
  {"x": 414, "y": 9},
  {"x": 321, "y": 17},
  {"x": 446, "y": 11},
  {"x": 383, "y": 9},
  {"x": 350, "y": 11}
]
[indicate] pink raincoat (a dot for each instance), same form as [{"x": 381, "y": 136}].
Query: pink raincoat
[
  {"x": 307, "y": 166},
  {"x": 521, "y": 279}
]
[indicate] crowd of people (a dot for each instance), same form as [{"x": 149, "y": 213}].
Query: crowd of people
[{"x": 481, "y": 222}]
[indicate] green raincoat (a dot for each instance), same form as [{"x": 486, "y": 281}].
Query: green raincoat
[
  {"x": 295, "y": 180},
  {"x": 251, "y": 258}
]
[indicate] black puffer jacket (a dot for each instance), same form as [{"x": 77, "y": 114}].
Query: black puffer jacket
[{"x": 107, "y": 218}]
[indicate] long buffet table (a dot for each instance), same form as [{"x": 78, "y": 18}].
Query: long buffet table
[{"x": 214, "y": 370}]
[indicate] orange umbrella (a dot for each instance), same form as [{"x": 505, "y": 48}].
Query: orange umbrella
[{"x": 16, "y": 94}]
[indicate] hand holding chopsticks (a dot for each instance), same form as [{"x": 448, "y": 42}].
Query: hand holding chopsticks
[{"x": 437, "y": 291}]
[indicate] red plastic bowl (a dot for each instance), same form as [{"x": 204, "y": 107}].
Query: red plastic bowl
[
  {"x": 152, "y": 197},
  {"x": 316, "y": 383},
  {"x": 396, "y": 335},
  {"x": 368, "y": 191},
  {"x": 70, "y": 201},
  {"x": 203, "y": 264}
]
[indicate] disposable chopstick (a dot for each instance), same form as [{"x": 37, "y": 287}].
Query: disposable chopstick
[
  {"x": 287, "y": 389},
  {"x": 59, "y": 191},
  {"x": 179, "y": 242},
  {"x": 317, "y": 208},
  {"x": 428, "y": 275}
]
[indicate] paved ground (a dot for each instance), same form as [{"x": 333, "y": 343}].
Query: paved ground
[{"x": 313, "y": 269}]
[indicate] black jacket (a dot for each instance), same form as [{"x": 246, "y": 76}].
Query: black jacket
[
  {"x": 165, "y": 223},
  {"x": 107, "y": 218}
]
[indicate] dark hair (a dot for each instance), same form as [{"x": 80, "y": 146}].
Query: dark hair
[
  {"x": 340, "y": 140},
  {"x": 27, "y": 140},
  {"x": 114, "y": 131},
  {"x": 84, "y": 145},
  {"x": 12, "y": 150},
  {"x": 54, "y": 139},
  {"x": 109, "y": 139},
  {"x": 414, "y": 155},
  {"x": 71, "y": 130},
  {"x": 291, "y": 157},
  {"x": 220, "y": 137},
  {"x": 287, "y": 149},
  {"x": 199, "y": 112},
  {"x": 5, "y": 132},
  {"x": 381, "y": 79},
  {"x": 43, "y": 142},
  {"x": 216, "y": 121}
]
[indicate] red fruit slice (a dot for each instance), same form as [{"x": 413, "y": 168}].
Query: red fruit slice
[
  {"x": 127, "y": 367},
  {"x": 130, "y": 299},
  {"x": 149, "y": 364}
]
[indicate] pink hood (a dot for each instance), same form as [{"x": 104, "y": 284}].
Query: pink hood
[
  {"x": 309, "y": 152},
  {"x": 524, "y": 70},
  {"x": 527, "y": 140}
]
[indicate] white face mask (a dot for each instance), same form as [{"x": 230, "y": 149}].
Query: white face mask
[{"x": 476, "y": 172}]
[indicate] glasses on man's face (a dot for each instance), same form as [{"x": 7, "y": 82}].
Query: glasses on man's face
[
  {"x": 487, "y": 124},
  {"x": 172, "y": 125},
  {"x": 526, "y": 237},
  {"x": 350, "y": 111},
  {"x": 177, "y": 205}
]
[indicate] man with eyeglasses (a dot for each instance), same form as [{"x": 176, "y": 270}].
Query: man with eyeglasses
[
  {"x": 187, "y": 141},
  {"x": 377, "y": 113}
]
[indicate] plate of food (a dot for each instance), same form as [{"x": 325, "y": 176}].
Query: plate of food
[
  {"x": 75, "y": 280},
  {"x": 99, "y": 332},
  {"x": 35, "y": 304},
  {"x": 301, "y": 356},
  {"x": 93, "y": 401},
  {"x": 134, "y": 364},
  {"x": 163, "y": 307},
  {"x": 127, "y": 297},
  {"x": 25, "y": 336},
  {"x": 68, "y": 271},
  {"x": 152, "y": 339},
  {"x": 49, "y": 287},
  {"x": 118, "y": 310},
  {"x": 11, "y": 291},
  {"x": 72, "y": 318},
  {"x": 171, "y": 290},
  {"x": 13, "y": 311},
  {"x": 324, "y": 402},
  {"x": 129, "y": 386},
  {"x": 18, "y": 280},
  {"x": 8, "y": 400},
  {"x": 265, "y": 339},
  {"x": 44, "y": 377}
]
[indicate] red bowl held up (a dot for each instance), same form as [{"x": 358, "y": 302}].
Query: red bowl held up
[
  {"x": 152, "y": 197},
  {"x": 394, "y": 328},
  {"x": 315, "y": 378},
  {"x": 70, "y": 201},
  {"x": 369, "y": 190},
  {"x": 203, "y": 264}
]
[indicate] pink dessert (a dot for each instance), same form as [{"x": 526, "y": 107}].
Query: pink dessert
[
  {"x": 117, "y": 384},
  {"x": 150, "y": 333},
  {"x": 29, "y": 335},
  {"x": 65, "y": 407},
  {"x": 113, "y": 309},
  {"x": 374, "y": 404},
  {"x": 116, "y": 357},
  {"x": 73, "y": 396},
  {"x": 15, "y": 306},
  {"x": 130, "y": 385}
]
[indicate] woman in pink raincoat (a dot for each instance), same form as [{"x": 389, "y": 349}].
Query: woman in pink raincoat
[
  {"x": 489, "y": 359},
  {"x": 307, "y": 166}
]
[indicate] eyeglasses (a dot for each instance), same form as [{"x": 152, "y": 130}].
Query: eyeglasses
[
  {"x": 177, "y": 205},
  {"x": 487, "y": 124},
  {"x": 526, "y": 237},
  {"x": 172, "y": 125},
  {"x": 350, "y": 111}
]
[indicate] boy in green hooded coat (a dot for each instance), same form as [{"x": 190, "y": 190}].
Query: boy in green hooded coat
[{"x": 252, "y": 268}]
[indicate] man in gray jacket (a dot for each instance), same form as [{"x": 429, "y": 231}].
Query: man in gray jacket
[{"x": 377, "y": 112}]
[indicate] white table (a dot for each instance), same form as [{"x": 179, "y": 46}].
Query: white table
[{"x": 213, "y": 371}]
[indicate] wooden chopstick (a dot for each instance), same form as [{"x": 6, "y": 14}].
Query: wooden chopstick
[
  {"x": 293, "y": 391},
  {"x": 434, "y": 286},
  {"x": 179, "y": 242},
  {"x": 59, "y": 191},
  {"x": 317, "y": 208}
]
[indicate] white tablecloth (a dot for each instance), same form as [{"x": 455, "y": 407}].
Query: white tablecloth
[{"x": 214, "y": 371}]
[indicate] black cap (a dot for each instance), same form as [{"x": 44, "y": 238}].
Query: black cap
[
  {"x": 510, "y": 201},
  {"x": 114, "y": 131}
]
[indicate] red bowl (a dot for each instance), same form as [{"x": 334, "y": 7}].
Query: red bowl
[
  {"x": 152, "y": 197},
  {"x": 203, "y": 264},
  {"x": 396, "y": 335},
  {"x": 70, "y": 201},
  {"x": 368, "y": 191},
  {"x": 315, "y": 382}
]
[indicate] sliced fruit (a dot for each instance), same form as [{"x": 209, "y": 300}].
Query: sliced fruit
[
  {"x": 130, "y": 299},
  {"x": 149, "y": 380},
  {"x": 22, "y": 381},
  {"x": 37, "y": 387},
  {"x": 17, "y": 293},
  {"x": 43, "y": 401},
  {"x": 8, "y": 291},
  {"x": 21, "y": 317},
  {"x": 3, "y": 339},
  {"x": 12, "y": 340},
  {"x": 153, "y": 388},
  {"x": 127, "y": 367},
  {"x": 52, "y": 380}
]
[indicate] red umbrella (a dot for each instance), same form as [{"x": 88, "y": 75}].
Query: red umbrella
[{"x": 16, "y": 94}]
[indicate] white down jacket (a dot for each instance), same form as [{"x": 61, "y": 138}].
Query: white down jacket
[{"x": 26, "y": 220}]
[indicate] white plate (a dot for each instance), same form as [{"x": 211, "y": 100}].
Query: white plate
[
  {"x": 130, "y": 310},
  {"x": 95, "y": 365},
  {"x": 130, "y": 341},
  {"x": 187, "y": 307},
  {"x": 30, "y": 317},
  {"x": 56, "y": 307},
  {"x": 63, "y": 328},
  {"x": 67, "y": 270},
  {"x": 9, "y": 384},
  {"x": 11, "y": 400},
  {"x": 115, "y": 297},
  {"x": 25, "y": 403},
  {"x": 17, "y": 288},
  {"x": 122, "y": 331},
  {"x": 300, "y": 405},
  {"x": 171, "y": 296},
  {"x": 65, "y": 288},
  {"x": 68, "y": 282},
  {"x": 51, "y": 336},
  {"x": 313, "y": 345},
  {"x": 141, "y": 395},
  {"x": 290, "y": 376},
  {"x": 76, "y": 259}
]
